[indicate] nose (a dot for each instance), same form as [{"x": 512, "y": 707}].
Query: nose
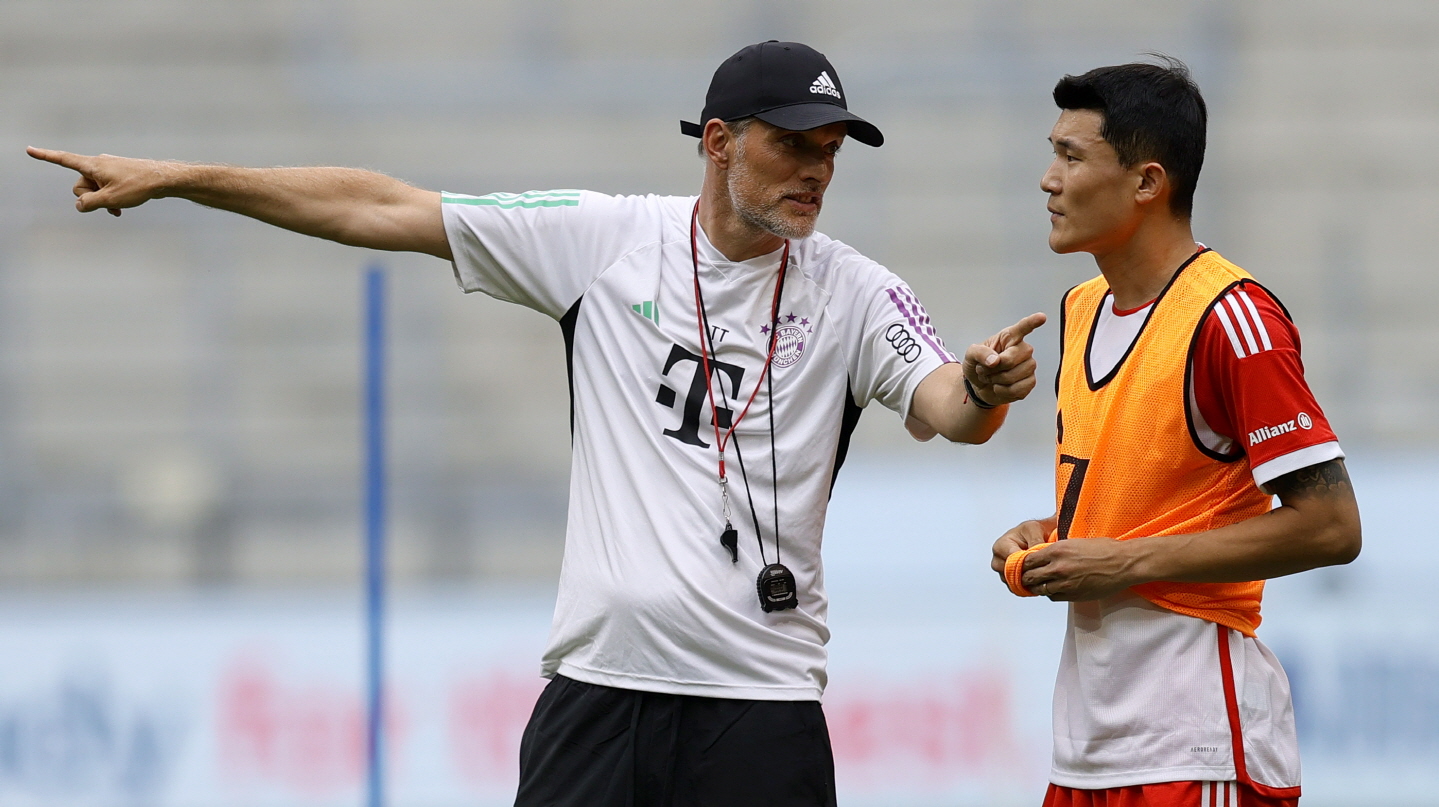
[
  {"x": 818, "y": 168},
  {"x": 1050, "y": 182}
]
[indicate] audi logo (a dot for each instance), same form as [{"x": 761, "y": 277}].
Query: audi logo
[{"x": 903, "y": 343}]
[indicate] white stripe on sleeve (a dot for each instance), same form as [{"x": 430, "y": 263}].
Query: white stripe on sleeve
[
  {"x": 1267, "y": 472},
  {"x": 1229, "y": 329},
  {"x": 1258, "y": 320},
  {"x": 1243, "y": 322}
]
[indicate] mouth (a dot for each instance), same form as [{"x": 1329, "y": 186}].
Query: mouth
[
  {"x": 804, "y": 202},
  {"x": 1054, "y": 215}
]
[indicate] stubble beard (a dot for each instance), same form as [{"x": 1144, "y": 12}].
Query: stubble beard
[{"x": 766, "y": 216}]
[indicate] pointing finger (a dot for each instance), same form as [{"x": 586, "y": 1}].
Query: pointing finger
[
  {"x": 1027, "y": 325},
  {"x": 74, "y": 162},
  {"x": 1015, "y": 333}
]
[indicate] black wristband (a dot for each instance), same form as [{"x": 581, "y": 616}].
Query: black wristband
[{"x": 974, "y": 396}]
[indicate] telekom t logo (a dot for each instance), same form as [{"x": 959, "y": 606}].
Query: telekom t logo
[{"x": 689, "y": 430}]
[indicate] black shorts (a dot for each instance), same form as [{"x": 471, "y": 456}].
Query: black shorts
[{"x": 598, "y": 746}]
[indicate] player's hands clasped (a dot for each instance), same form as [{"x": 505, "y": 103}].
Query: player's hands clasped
[
  {"x": 1073, "y": 570},
  {"x": 1027, "y": 534},
  {"x": 109, "y": 182},
  {"x": 1001, "y": 369}
]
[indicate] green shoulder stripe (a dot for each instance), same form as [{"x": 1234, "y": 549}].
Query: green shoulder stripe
[{"x": 559, "y": 198}]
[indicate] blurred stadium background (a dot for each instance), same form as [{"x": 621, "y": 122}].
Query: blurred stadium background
[{"x": 179, "y": 388}]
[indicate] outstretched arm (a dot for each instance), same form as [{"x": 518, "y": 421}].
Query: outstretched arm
[
  {"x": 346, "y": 205},
  {"x": 1001, "y": 371},
  {"x": 1316, "y": 524}
]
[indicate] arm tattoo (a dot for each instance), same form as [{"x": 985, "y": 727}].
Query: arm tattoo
[{"x": 1326, "y": 479}]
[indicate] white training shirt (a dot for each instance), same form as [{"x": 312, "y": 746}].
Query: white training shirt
[
  {"x": 1139, "y": 697},
  {"x": 648, "y": 598}
]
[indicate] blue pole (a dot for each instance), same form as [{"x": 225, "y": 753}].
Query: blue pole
[{"x": 374, "y": 427}]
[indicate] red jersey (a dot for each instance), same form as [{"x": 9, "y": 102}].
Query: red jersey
[{"x": 1247, "y": 390}]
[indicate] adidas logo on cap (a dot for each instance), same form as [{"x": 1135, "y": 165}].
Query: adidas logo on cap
[{"x": 825, "y": 85}]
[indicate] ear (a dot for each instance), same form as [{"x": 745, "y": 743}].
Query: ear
[
  {"x": 1153, "y": 184},
  {"x": 718, "y": 143}
]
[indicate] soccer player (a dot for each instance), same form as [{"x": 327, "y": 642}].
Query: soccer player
[
  {"x": 720, "y": 352},
  {"x": 1182, "y": 409}
]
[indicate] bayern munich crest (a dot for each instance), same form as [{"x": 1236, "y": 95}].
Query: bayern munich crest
[{"x": 790, "y": 338}]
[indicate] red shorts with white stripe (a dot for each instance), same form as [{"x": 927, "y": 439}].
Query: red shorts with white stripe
[{"x": 1166, "y": 794}]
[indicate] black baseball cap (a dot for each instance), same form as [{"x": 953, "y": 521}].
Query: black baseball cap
[{"x": 785, "y": 84}]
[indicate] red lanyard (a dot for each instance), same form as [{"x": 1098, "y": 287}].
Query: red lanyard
[{"x": 722, "y": 440}]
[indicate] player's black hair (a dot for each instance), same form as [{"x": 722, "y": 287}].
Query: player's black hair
[{"x": 1151, "y": 112}]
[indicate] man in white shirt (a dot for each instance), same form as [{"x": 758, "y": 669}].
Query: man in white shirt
[{"x": 720, "y": 352}]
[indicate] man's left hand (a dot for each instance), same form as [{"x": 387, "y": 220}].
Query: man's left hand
[
  {"x": 1001, "y": 369},
  {"x": 1081, "y": 569}
]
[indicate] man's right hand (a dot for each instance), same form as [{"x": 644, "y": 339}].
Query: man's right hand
[
  {"x": 1001, "y": 368},
  {"x": 109, "y": 182},
  {"x": 1027, "y": 534}
]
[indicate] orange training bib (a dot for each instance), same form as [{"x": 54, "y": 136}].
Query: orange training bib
[{"x": 1127, "y": 461}]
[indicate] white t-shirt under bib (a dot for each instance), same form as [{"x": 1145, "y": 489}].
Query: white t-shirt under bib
[
  {"x": 1140, "y": 700},
  {"x": 648, "y": 598}
]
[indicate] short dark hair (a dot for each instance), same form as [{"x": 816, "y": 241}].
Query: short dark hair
[{"x": 1151, "y": 112}]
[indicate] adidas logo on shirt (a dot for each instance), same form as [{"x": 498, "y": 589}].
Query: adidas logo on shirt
[
  {"x": 649, "y": 310},
  {"x": 824, "y": 85}
]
